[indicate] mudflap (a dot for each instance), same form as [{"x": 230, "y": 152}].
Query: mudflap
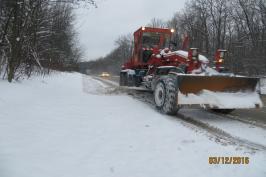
[{"x": 123, "y": 79}]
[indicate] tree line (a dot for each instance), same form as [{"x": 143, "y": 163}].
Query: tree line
[
  {"x": 237, "y": 25},
  {"x": 111, "y": 62},
  {"x": 36, "y": 36}
]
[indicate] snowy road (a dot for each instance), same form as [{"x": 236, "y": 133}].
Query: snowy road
[
  {"x": 224, "y": 127},
  {"x": 256, "y": 117},
  {"x": 72, "y": 125}
]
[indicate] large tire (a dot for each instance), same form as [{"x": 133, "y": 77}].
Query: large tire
[
  {"x": 165, "y": 96},
  {"x": 223, "y": 111}
]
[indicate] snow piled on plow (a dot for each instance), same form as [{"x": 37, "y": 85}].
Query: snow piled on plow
[
  {"x": 184, "y": 54},
  {"x": 223, "y": 100}
]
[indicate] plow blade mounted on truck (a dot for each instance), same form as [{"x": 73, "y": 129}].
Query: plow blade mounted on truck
[
  {"x": 218, "y": 92},
  {"x": 178, "y": 77}
]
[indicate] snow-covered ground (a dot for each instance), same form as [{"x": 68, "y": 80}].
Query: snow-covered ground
[
  {"x": 263, "y": 85},
  {"x": 233, "y": 127},
  {"x": 70, "y": 125}
]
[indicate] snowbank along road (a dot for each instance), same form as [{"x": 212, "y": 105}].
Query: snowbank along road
[
  {"x": 224, "y": 127},
  {"x": 253, "y": 116},
  {"x": 75, "y": 125}
]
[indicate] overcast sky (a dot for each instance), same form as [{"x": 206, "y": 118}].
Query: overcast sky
[{"x": 98, "y": 28}]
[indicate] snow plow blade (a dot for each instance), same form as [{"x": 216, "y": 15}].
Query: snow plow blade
[{"x": 218, "y": 92}]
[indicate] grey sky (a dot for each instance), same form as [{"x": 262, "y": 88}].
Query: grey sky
[{"x": 98, "y": 28}]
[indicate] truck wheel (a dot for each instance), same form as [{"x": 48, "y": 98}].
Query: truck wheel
[
  {"x": 223, "y": 111},
  {"x": 165, "y": 96}
]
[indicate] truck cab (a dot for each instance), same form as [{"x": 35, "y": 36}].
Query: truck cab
[{"x": 147, "y": 43}]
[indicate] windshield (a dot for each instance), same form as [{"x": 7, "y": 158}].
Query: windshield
[
  {"x": 166, "y": 40},
  {"x": 152, "y": 40}
]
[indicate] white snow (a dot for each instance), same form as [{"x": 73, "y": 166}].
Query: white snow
[
  {"x": 129, "y": 71},
  {"x": 184, "y": 54},
  {"x": 211, "y": 71},
  {"x": 233, "y": 127},
  {"x": 205, "y": 70},
  {"x": 68, "y": 125},
  {"x": 110, "y": 82},
  {"x": 165, "y": 67},
  {"x": 263, "y": 85},
  {"x": 221, "y": 99}
]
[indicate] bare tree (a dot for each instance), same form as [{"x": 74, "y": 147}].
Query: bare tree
[
  {"x": 157, "y": 23},
  {"x": 35, "y": 34}
]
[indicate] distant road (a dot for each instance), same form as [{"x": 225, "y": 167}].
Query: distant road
[{"x": 115, "y": 78}]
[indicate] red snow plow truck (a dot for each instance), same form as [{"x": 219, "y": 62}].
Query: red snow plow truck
[{"x": 179, "y": 78}]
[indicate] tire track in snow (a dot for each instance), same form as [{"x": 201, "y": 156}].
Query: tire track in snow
[
  {"x": 235, "y": 117},
  {"x": 220, "y": 135}
]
